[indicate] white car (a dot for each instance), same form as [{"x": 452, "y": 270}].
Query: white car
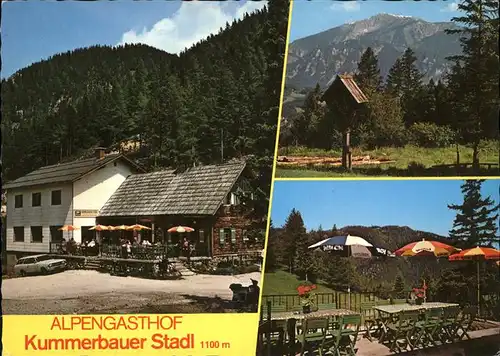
[{"x": 37, "y": 264}]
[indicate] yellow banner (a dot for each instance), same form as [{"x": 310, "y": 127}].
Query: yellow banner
[{"x": 148, "y": 335}]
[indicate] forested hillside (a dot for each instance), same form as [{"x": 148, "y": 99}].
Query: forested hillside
[{"x": 179, "y": 108}]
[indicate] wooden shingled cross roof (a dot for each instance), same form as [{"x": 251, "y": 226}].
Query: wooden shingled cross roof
[
  {"x": 347, "y": 80},
  {"x": 197, "y": 191}
]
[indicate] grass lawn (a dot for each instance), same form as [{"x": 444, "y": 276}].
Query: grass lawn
[
  {"x": 281, "y": 282},
  {"x": 284, "y": 283},
  {"x": 419, "y": 159}
]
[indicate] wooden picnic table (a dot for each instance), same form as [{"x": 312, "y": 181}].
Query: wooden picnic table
[
  {"x": 291, "y": 319},
  {"x": 323, "y": 313},
  {"x": 393, "y": 309},
  {"x": 398, "y": 308}
]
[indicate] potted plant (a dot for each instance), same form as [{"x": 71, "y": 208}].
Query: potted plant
[
  {"x": 306, "y": 294},
  {"x": 420, "y": 294}
]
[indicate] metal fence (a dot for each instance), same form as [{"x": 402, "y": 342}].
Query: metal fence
[
  {"x": 342, "y": 300},
  {"x": 154, "y": 252}
]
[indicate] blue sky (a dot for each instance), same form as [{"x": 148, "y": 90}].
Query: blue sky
[
  {"x": 419, "y": 204},
  {"x": 310, "y": 17},
  {"x": 35, "y": 30}
]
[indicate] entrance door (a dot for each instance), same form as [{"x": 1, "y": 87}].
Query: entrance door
[{"x": 87, "y": 235}]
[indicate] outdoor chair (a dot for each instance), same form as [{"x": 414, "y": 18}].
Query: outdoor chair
[
  {"x": 272, "y": 334},
  {"x": 428, "y": 330},
  {"x": 369, "y": 316},
  {"x": 341, "y": 340},
  {"x": 464, "y": 324},
  {"x": 327, "y": 306},
  {"x": 401, "y": 332},
  {"x": 383, "y": 302},
  {"x": 399, "y": 301},
  {"x": 313, "y": 333},
  {"x": 278, "y": 308},
  {"x": 449, "y": 324}
]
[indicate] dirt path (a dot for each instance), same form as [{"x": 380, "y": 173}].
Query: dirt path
[{"x": 84, "y": 291}]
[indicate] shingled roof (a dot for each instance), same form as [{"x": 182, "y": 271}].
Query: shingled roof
[
  {"x": 64, "y": 172},
  {"x": 197, "y": 191},
  {"x": 348, "y": 81}
]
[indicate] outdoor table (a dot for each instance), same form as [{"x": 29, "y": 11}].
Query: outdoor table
[
  {"x": 394, "y": 309},
  {"x": 292, "y": 317}
]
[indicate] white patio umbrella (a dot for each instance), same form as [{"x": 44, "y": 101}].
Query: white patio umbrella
[{"x": 351, "y": 246}]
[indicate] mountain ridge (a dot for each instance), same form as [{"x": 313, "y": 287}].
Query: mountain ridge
[{"x": 318, "y": 58}]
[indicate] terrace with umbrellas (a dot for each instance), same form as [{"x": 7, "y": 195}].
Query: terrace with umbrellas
[
  {"x": 123, "y": 249},
  {"x": 409, "y": 321}
]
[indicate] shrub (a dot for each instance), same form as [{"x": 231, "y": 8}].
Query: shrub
[
  {"x": 227, "y": 271},
  {"x": 430, "y": 135},
  {"x": 248, "y": 269}
]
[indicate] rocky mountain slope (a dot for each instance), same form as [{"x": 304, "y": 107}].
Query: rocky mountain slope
[{"x": 318, "y": 58}]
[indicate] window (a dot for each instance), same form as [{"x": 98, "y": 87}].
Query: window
[
  {"x": 25, "y": 261},
  {"x": 222, "y": 237},
  {"x": 18, "y": 201},
  {"x": 244, "y": 235},
  {"x": 36, "y": 199},
  {"x": 56, "y": 197},
  {"x": 36, "y": 234},
  {"x": 56, "y": 235},
  {"x": 231, "y": 199},
  {"x": 233, "y": 236},
  {"x": 18, "y": 233},
  {"x": 201, "y": 234}
]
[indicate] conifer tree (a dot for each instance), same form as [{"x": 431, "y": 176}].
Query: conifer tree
[
  {"x": 405, "y": 82},
  {"x": 474, "y": 77},
  {"x": 295, "y": 233},
  {"x": 368, "y": 74},
  {"x": 476, "y": 221}
]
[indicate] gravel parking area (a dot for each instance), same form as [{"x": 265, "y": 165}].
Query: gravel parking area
[{"x": 84, "y": 291}]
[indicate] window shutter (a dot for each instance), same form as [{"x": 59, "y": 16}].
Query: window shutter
[
  {"x": 222, "y": 237},
  {"x": 233, "y": 236}
]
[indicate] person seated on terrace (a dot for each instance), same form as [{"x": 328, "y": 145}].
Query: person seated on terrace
[{"x": 146, "y": 243}]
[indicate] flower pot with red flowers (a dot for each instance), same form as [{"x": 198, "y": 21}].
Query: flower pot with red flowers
[
  {"x": 306, "y": 294},
  {"x": 419, "y": 294}
]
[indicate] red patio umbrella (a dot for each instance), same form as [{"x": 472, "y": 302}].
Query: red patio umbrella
[
  {"x": 138, "y": 227},
  {"x": 99, "y": 228},
  {"x": 477, "y": 254},
  {"x": 426, "y": 248},
  {"x": 69, "y": 228},
  {"x": 180, "y": 229}
]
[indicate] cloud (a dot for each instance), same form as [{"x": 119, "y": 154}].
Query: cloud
[
  {"x": 450, "y": 7},
  {"x": 192, "y": 22},
  {"x": 347, "y": 6}
]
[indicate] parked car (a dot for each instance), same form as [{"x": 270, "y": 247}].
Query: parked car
[{"x": 39, "y": 264}]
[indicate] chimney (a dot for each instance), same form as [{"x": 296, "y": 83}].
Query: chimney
[{"x": 99, "y": 153}]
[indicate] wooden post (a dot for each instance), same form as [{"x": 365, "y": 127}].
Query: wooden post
[
  {"x": 152, "y": 232},
  {"x": 346, "y": 150},
  {"x": 269, "y": 326}
]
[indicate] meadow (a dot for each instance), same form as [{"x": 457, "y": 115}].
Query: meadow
[{"x": 405, "y": 161}]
